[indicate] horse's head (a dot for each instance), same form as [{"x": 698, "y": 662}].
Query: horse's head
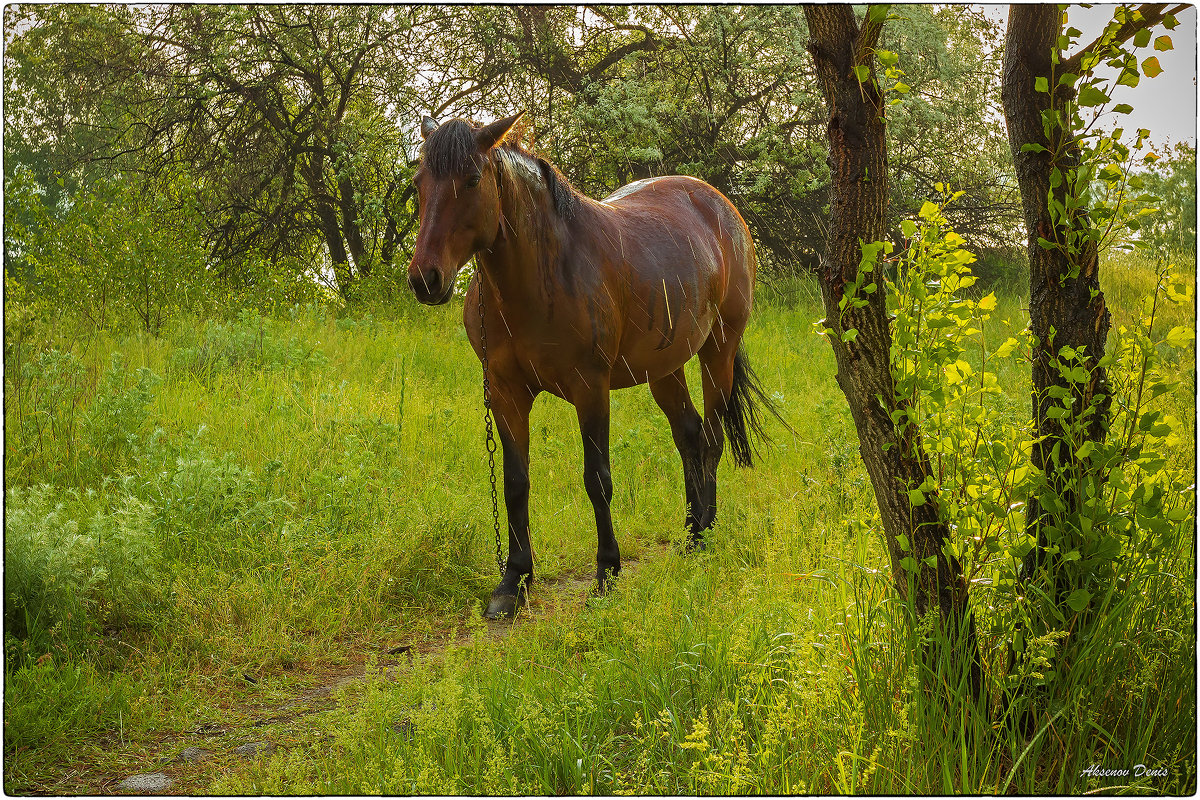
[{"x": 458, "y": 202}]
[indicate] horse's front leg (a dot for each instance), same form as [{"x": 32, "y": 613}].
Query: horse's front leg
[
  {"x": 592, "y": 410},
  {"x": 510, "y": 406}
]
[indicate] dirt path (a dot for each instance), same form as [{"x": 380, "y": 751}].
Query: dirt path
[{"x": 190, "y": 761}]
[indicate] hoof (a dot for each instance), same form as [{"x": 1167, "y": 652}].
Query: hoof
[
  {"x": 503, "y": 606},
  {"x": 694, "y": 544},
  {"x": 604, "y": 582}
]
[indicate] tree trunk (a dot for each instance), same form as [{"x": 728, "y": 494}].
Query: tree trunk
[
  {"x": 313, "y": 172},
  {"x": 350, "y": 227},
  {"x": 1066, "y": 305},
  {"x": 894, "y": 456}
]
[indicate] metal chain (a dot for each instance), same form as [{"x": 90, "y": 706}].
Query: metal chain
[{"x": 490, "y": 441}]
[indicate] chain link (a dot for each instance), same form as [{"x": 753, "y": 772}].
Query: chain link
[{"x": 490, "y": 440}]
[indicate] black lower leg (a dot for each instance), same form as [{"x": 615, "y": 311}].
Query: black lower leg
[
  {"x": 597, "y": 480},
  {"x": 712, "y": 446},
  {"x": 518, "y": 570}
]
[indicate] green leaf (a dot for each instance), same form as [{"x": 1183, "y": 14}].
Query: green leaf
[
  {"x": 1041, "y": 84},
  {"x": 916, "y": 497},
  {"x": 1141, "y": 38},
  {"x": 862, "y": 72},
  {"x": 1092, "y": 96},
  {"x": 1032, "y": 147},
  {"x": 1004, "y": 350},
  {"x": 1151, "y": 67},
  {"x": 1180, "y": 336},
  {"x": 1079, "y": 599},
  {"x": 1122, "y": 108},
  {"x": 1163, "y": 43},
  {"x": 1130, "y": 78}
]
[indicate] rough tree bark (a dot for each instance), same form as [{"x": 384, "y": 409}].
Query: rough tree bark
[
  {"x": 893, "y": 455},
  {"x": 1066, "y": 305}
]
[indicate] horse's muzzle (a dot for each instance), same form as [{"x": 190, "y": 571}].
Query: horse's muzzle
[{"x": 429, "y": 287}]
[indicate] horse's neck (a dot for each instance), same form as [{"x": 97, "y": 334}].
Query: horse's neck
[{"x": 530, "y": 241}]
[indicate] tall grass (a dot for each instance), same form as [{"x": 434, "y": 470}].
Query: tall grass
[{"x": 275, "y": 497}]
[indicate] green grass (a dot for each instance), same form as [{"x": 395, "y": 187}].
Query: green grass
[{"x": 281, "y": 498}]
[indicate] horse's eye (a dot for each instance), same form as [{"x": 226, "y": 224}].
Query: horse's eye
[{"x": 473, "y": 181}]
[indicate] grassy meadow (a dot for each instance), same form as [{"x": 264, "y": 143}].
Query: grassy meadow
[{"x": 204, "y": 523}]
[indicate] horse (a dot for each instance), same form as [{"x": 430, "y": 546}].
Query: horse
[{"x": 581, "y": 297}]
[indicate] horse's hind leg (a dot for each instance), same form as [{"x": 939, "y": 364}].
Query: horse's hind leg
[
  {"x": 716, "y": 377},
  {"x": 671, "y": 394}
]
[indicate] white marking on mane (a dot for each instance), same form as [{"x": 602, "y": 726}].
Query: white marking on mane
[{"x": 522, "y": 166}]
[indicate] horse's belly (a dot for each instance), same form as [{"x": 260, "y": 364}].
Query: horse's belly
[{"x": 653, "y": 352}]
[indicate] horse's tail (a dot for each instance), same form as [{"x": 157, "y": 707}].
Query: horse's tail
[{"x": 741, "y": 418}]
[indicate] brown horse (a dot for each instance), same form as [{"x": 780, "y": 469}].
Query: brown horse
[{"x": 581, "y": 297}]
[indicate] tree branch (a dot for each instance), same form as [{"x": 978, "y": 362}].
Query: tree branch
[{"x": 1152, "y": 14}]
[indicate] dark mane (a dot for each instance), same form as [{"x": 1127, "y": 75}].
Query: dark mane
[{"x": 450, "y": 150}]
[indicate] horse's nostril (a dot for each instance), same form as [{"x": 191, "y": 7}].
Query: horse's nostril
[
  {"x": 433, "y": 281},
  {"x": 426, "y": 283}
]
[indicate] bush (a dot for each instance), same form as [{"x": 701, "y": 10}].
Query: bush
[
  {"x": 68, "y": 575},
  {"x": 250, "y": 341}
]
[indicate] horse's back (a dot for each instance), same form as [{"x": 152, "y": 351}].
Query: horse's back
[
  {"x": 680, "y": 205},
  {"x": 683, "y": 256},
  {"x": 691, "y": 212}
]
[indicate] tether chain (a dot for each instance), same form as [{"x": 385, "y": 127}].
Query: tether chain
[{"x": 490, "y": 442}]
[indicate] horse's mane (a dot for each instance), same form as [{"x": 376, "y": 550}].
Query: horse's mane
[{"x": 450, "y": 150}]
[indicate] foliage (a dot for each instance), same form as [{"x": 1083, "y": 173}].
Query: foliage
[
  {"x": 109, "y": 256},
  {"x": 1171, "y": 181},
  {"x": 950, "y": 59},
  {"x": 250, "y": 341},
  {"x": 272, "y": 118},
  {"x": 61, "y": 425},
  {"x": 1114, "y": 529},
  {"x": 52, "y": 703},
  {"x": 70, "y": 571}
]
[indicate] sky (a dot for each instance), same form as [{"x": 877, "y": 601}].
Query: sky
[{"x": 1166, "y": 105}]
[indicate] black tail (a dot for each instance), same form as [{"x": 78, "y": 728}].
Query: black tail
[{"x": 741, "y": 418}]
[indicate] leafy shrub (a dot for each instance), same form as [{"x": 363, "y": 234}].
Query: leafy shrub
[
  {"x": 113, "y": 255},
  {"x": 113, "y": 421},
  {"x": 62, "y": 428},
  {"x": 199, "y": 499},
  {"x": 1119, "y": 528},
  {"x": 69, "y": 575},
  {"x": 250, "y": 341},
  {"x": 43, "y": 411}
]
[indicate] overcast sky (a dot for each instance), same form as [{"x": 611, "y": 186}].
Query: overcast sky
[{"x": 1166, "y": 105}]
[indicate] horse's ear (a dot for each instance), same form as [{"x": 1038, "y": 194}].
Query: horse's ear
[
  {"x": 489, "y": 136},
  {"x": 428, "y": 126}
]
